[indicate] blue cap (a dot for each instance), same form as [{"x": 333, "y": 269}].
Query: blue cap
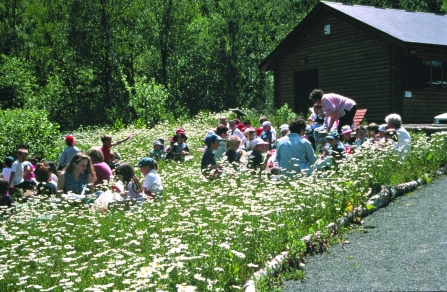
[
  {"x": 332, "y": 135},
  {"x": 9, "y": 159},
  {"x": 212, "y": 138},
  {"x": 146, "y": 161}
]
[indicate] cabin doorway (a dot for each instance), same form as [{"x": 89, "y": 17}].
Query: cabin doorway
[{"x": 304, "y": 83}]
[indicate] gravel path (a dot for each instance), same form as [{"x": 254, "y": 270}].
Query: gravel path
[{"x": 401, "y": 247}]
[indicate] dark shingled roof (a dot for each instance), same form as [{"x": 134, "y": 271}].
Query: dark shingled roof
[
  {"x": 398, "y": 26},
  {"x": 410, "y": 27}
]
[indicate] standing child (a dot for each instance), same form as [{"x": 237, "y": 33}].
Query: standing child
[
  {"x": 68, "y": 153},
  {"x": 180, "y": 149},
  {"x": 255, "y": 160},
  {"x": 107, "y": 144},
  {"x": 129, "y": 186},
  {"x": 152, "y": 184}
]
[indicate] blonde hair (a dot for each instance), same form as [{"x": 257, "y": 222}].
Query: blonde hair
[{"x": 233, "y": 140}]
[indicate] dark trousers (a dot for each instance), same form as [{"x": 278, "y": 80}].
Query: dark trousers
[{"x": 347, "y": 119}]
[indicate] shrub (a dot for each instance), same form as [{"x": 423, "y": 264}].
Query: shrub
[{"x": 31, "y": 130}]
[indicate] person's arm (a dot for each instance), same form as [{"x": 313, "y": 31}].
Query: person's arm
[
  {"x": 120, "y": 141},
  {"x": 11, "y": 177},
  {"x": 91, "y": 187},
  {"x": 61, "y": 182}
]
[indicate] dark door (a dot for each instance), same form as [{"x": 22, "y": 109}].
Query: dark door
[{"x": 304, "y": 83}]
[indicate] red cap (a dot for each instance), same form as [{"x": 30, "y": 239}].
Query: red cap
[
  {"x": 259, "y": 131},
  {"x": 69, "y": 139},
  {"x": 179, "y": 131}
]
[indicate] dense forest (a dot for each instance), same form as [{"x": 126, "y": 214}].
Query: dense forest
[{"x": 134, "y": 61}]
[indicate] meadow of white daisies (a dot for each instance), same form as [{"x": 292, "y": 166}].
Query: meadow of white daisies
[{"x": 204, "y": 235}]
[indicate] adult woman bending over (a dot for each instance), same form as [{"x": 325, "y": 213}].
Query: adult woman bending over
[
  {"x": 77, "y": 175},
  {"x": 336, "y": 107}
]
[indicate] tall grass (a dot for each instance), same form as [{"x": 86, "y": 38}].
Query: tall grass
[{"x": 204, "y": 235}]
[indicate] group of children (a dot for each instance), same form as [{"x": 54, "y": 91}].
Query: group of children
[{"x": 77, "y": 173}]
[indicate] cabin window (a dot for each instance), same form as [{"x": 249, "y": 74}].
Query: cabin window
[
  {"x": 434, "y": 75},
  {"x": 424, "y": 74}
]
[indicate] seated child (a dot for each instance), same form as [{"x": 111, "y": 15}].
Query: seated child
[
  {"x": 152, "y": 184},
  {"x": 180, "y": 149},
  {"x": 284, "y": 130},
  {"x": 335, "y": 148},
  {"x": 43, "y": 177},
  {"x": 114, "y": 159},
  {"x": 5, "y": 198},
  {"x": 249, "y": 136},
  {"x": 233, "y": 153},
  {"x": 361, "y": 133},
  {"x": 373, "y": 131},
  {"x": 255, "y": 160},
  {"x": 16, "y": 178},
  {"x": 267, "y": 135},
  {"x": 157, "y": 152},
  {"x": 68, "y": 152},
  {"x": 7, "y": 169},
  {"x": 129, "y": 186},
  {"x": 348, "y": 140},
  {"x": 317, "y": 117},
  {"x": 107, "y": 144},
  {"x": 222, "y": 133},
  {"x": 208, "y": 159}
]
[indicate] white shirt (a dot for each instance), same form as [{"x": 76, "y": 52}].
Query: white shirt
[
  {"x": 18, "y": 176},
  {"x": 153, "y": 182},
  {"x": 6, "y": 173}
]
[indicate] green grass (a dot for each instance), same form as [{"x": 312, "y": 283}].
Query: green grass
[{"x": 203, "y": 235}]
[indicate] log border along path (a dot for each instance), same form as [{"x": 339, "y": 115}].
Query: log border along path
[{"x": 405, "y": 247}]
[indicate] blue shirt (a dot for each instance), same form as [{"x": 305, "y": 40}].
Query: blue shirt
[{"x": 294, "y": 154}]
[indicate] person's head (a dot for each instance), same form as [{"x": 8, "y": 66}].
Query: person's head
[
  {"x": 4, "y": 187},
  {"x": 114, "y": 156},
  {"x": 42, "y": 173},
  {"x": 247, "y": 123},
  {"x": 361, "y": 132},
  {"x": 391, "y": 135},
  {"x": 297, "y": 125},
  {"x": 233, "y": 143},
  {"x": 382, "y": 130},
  {"x": 222, "y": 131},
  {"x": 373, "y": 127},
  {"x": 266, "y": 126},
  {"x": 316, "y": 95},
  {"x": 80, "y": 163},
  {"x": 181, "y": 137},
  {"x": 346, "y": 132},
  {"x": 318, "y": 108},
  {"x": 394, "y": 121},
  {"x": 232, "y": 124},
  {"x": 22, "y": 154},
  {"x": 284, "y": 129},
  {"x": 69, "y": 140},
  {"x": 223, "y": 121},
  {"x": 51, "y": 167},
  {"x": 106, "y": 140},
  {"x": 124, "y": 172},
  {"x": 96, "y": 154},
  {"x": 250, "y": 133},
  {"x": 259, "y": 145},
  {"x": 332, "y": 138},
  {"x": 157, "y": 145},
  {"x": 212, "y": 141},
  {"x": 9, "y": 161},
  {"x": 146, "y": 164},
  {"x": 262, "y": 119}
]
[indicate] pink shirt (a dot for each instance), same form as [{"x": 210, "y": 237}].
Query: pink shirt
[{"x": 334, "y": 105}]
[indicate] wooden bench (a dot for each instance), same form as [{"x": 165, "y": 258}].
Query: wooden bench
[{"x": 359, "y": 116}]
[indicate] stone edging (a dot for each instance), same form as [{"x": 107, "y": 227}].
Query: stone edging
[{"x": 375, "y": 202}]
